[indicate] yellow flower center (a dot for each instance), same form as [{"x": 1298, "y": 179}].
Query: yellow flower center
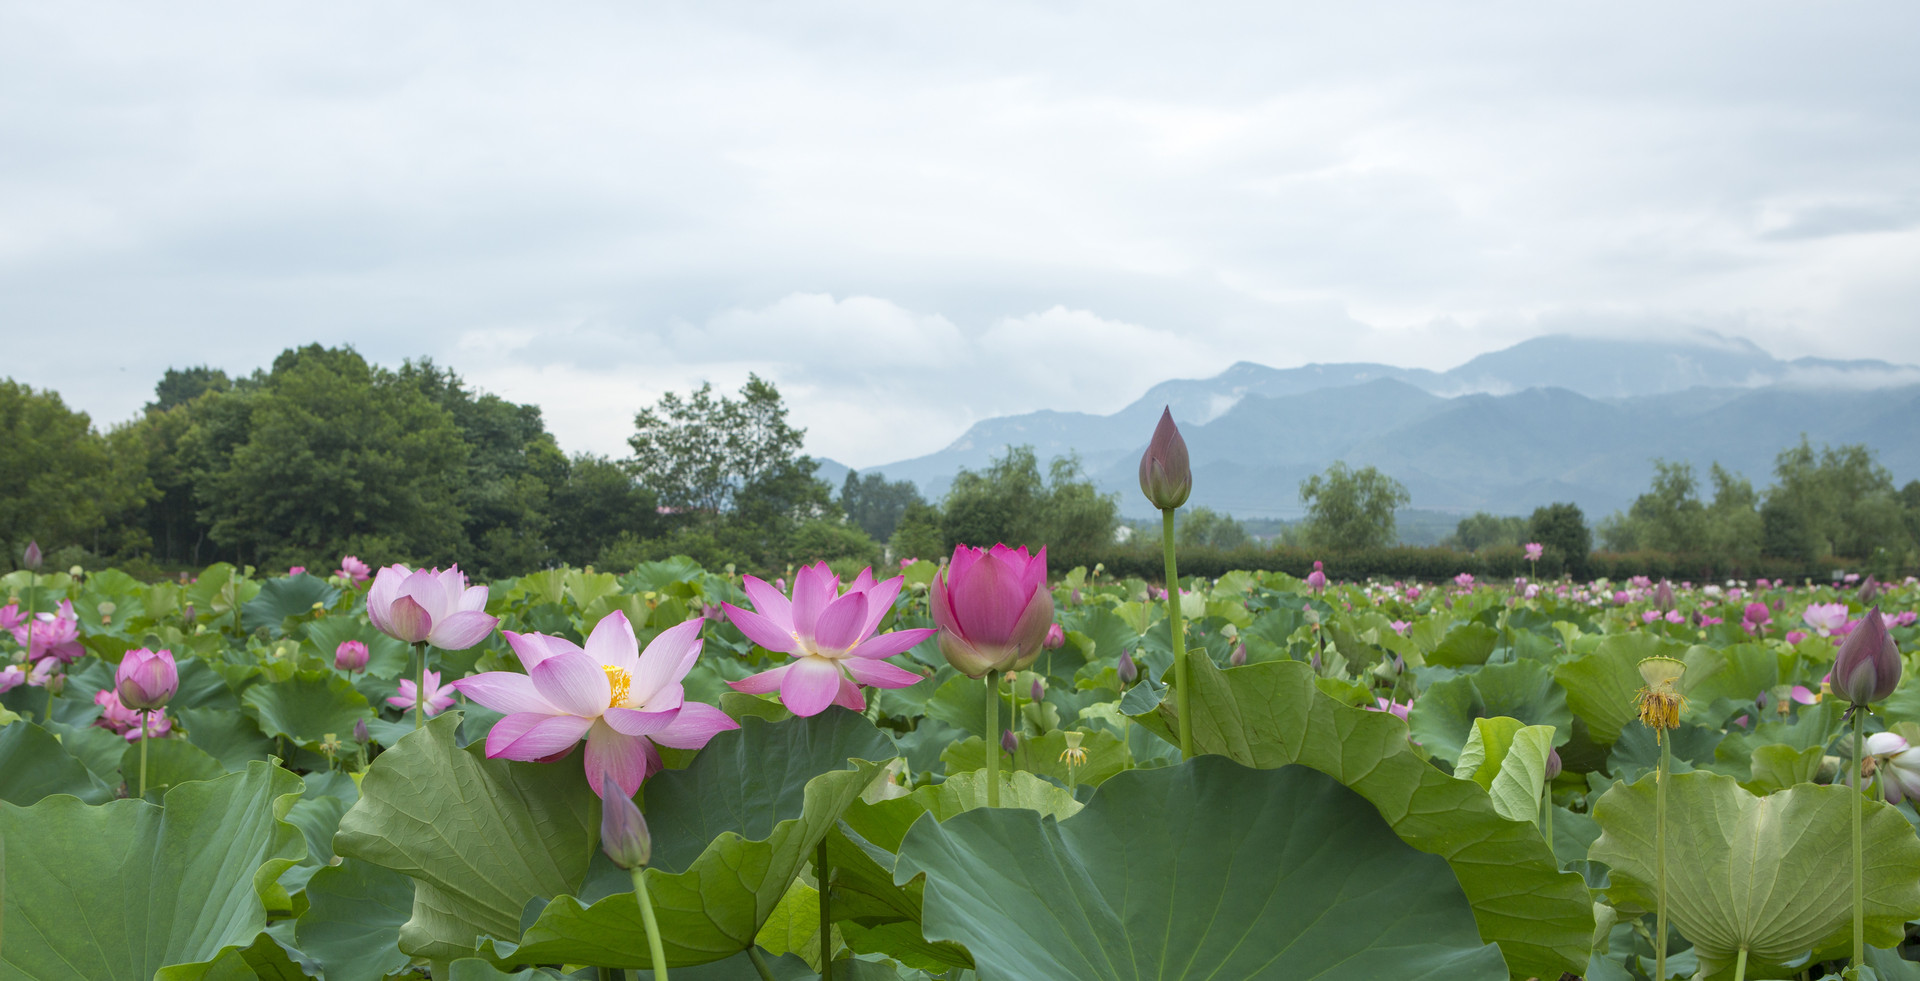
[{"x": 619, "y": 680}]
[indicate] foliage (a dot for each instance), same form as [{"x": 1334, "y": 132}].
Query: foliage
[
  {"x": 1480, "y": 530},
  {"x": 1206, "y": 528},
  {"x": 1562, "y": 528},
  {"x": 1011, "y": 502},
  {"x": 61, "y": 482},
  {"x": 877, "y": 504},
  {"x": 698, "y": 452},
  {"x": 1349, "y": 510}
]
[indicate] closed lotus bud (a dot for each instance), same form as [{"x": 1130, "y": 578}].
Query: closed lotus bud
[
  {"x": 1553, "y": 765},
  {"x": 1870, "y": 591},
  {"x": 360, "y": 733},
  {"x": 1166, "y": 476},
  {"x": 623, "y": 831},
  {"x": 1867, "y": 667},
  {"x": 1128, "y": 670},
  {"x": 1039, "y": 690},
  {"x": 1663, "y": 596},
  {"x": 31, "y": 558},
  {"x": 1239, "y": 655},
  {"x": 146, "y": 680},
  {"x": 350, "y": 656},
  {"x": 1007, "y": 742},
  {"x": 1074, "y": 597},
  {"x": 1056, "y": 637},
  {"x": 1317, "y": 579},
  {"x": 188, "y": 614},
  {"x": 992, "y": 608}
]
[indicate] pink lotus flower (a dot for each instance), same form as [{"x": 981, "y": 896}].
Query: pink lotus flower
[
  {"x": 53, "y": 635},
  {"x": 1803, "y": 694},
  {"x": 298, "y": 570},
  {"x": 1796, "y": 636},
  {"x": 1396, "y": 709},
  {"x": 127, "y": 722},
  {"x": 350, "y": 656},
  {"x": 1620, "y": 598},
  {"x": 623, "y": 701},
  {"x": 1534, "y": 551},
  {"x": 146, "y": 679},
  {"x": 351, "y": 568},
  {"x": 829, "y": 634},
  {"x": 11, "y": 617},
  {"x": 1317, "y": 579},
  {"x": 1401, "y": 626},
  {"x": 1464, "y": 580},
  {"x": 1056, "y": 637},
  {"x": 1649, "y": 616},
  {"x": 1675, "y": 616},
  {"x": 992, "y": 608},
  {"x": 1905, "y": 618},
  {"x": 430, "y": 605},
  {"x": 1898, "y": 765},
  {"x": 439, "y": 696},
  {"x": 1825, "y": 618},
  {"x": 12, "y": 676}
]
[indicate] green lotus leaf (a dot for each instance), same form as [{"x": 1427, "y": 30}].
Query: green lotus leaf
[
  {"x": 1468, "y": 643},
  {"x": 227, "y": 735},
  {"x": 1443, "y": 716},
  {"x": 279, "y": 599},
  {"x": 1510, "y": 760},
  {"x": 731, "y": 831},
  {"x": 1106, "y": 756},
  {"x": 1207, "y": 869},
  {"x": 170, "y": 763},
  {"x": 386, "y": 657},
  {"x": 131, "y": 890},
  {"x": 1772, "y": 875},
  {"x": 1722, "y": 681},
  {"x": 479, "y": 837},
  {"x": 353, "y": 919},
  {"x": 1601, "y": 686},
  {"x": 33, "y": 765},
  {"x": 306, "y": 707},
  {"x": 1270, "y": 714}
]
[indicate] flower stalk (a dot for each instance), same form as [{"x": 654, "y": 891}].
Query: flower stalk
[
  {"x": 654, "y": 948},
  {"x": 1659, "y": 706},
  {"x": 993, "y": 738},
  {"x": 1184, "y": 692},
  {"x": 1859, "y": 859},
  {"x": 420, "y": 693},
  {"x": 822, "y": 872}
]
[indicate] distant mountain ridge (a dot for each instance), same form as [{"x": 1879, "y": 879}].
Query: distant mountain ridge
[{"x": 1550, "y": 419}]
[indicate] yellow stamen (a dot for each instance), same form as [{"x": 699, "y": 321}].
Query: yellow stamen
[{"x": 619, "y": 681}]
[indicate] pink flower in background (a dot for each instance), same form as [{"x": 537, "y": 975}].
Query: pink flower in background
[
  {"x": 1825, "y": 618},
  {"x": 1620, "y": 598},
  {"x": 430, "y": 605},
  {"x": 11, "y": 617},
  {"x": 1649, "y": 616},
  {"x": 1803, "y": 694},
  {"x": 1464, "y": 580},
  {"x": 1398, "y": 709},
  {"x": 622, "y": 700},
  {"x": 1707, "y": 621},
  {"x": 298, "y": 570},
  {"x": 1905, "y": 618},
  {"x": 1534, "y": 551},
  {"x": 351, "y": 568},
  {"x": 55, "y": 635},
  {"x": 1400, "y": 626},
  {"x": 1317, "y": 579},
  {"x": 1056, "y": 638},
  {"x": 1675, "y": 616},
  {"x": 1760, "y": 584},
  {"x": 829, "y": 634},
  {"x": 12, "y": 676},
  {"x": 439, "y": 696},
  {"x": 993, "y": 608},
  {"x": 1796, "y": 636},
  {"x": 1851, "y": 577},
  {"x": 350, "y": 656},
  {"x": 1757, "y": 615},
  {"x": 123, "y": 721}
]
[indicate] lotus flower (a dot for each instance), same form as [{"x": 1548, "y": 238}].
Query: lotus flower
[
  {"x": 1317, "y": 579},
  {"x": 11, "y": 617},
  {"x": 430, "y": 605},
  {"x": 992, "y": 608},
  {"x": 1056, "y": 637},
  {"x": 53, "y": 635},
  {"x": 1663, "y": 596},
  {"x": 352, "y": 569},
  {"x": 298, "y": 570},
  {"x": 830, "y": 635},
  {"x": 30, "y": 559},
  {"x": 622, "y": 700},
  {"x": 1825, "y": 618},
  {"x": 623, "y": 831},
  {"x": 1464, "y": 580},
  {"x": 127, "y": 722},
  {"x": 1866, "y": 669},
  {"x": 1534, "y": 551},
  {"x": 1899, "y": 766},
  {"x": 350, "y": 656},
  {"x": 1166, "y": 476},
  {"x": 12, "y": 676},
  {"x": 146, "y": 679},
  {"x": 439, "y": 696},
  {"x": 1397, "y": 709}
]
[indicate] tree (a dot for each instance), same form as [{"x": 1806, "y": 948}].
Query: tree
[
  {"x": 596, "y": 505},
  {"x": 182, "y": 385},
  {"x": 918, "y": 535},
  {"x": 1206, "y": 528},
  {"x": 1011, "y": 503},
  {"x": 1480, "y": 530},
  {"x": 875, "y": 504},
  {"x": 1349, "y": 510},
  {"x": 1562, "y": 529},
  {"x": 698, "y": 452},
  {"x": 1670, "y": 517},
  {"x": 1834, "y": 501},
  {"x": 61, "y": 482},
  {"x": 1734, "y": 526}
]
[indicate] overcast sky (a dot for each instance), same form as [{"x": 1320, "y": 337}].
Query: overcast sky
[{"x": 915, "y": 215}]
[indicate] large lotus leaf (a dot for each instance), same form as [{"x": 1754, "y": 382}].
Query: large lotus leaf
[
  {"x": 1773, "y": 875},
  {"x": 1271, "y": 714},
  {"x": 1601, "y": 686},
  {"x": 1106, "y": 756},
  {"x": 353, "y": 919},
  {"x": 34, "y": 765},
  {"x": 170, "y": 763},
  {"x": 1510, "y": 760},
  {"x": 307, "y": 706},
  {"x": 1467, "y": 643},
  {"x": 731, "y": 831},
  {"x": 279, "y": 599},
  {"x": 132, "y": 890},
  {"x": 1722, "y": 681},
  {"x": 227, "y": 735},
  {"x": 1203, "y": 870},
  {"x": 386, "y": 657},
  {"x": 1442, "y": 717},
  {"x": 479, "y": 837}
]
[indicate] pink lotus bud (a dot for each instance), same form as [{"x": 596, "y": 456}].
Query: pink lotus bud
[
  {"x": 1239, "y": 655},
  {"x": 992, "y": 608},
  {"x": 360, "y": 733},
  {"x": 146, "y": 679},
  {"x": 30, "y": 559},
  {"x": 298, "y": 570},
  {"x": 1039, "y": 690},
  {"x": 350, "y": 656},
  {"x": 1166, "y": 476},
  {"x": 1870, "y": 591},
  {"x": 1317, "y": 579},
  {"x": 187, "y": 614},
  {"x": 1074, "y": 598},
  {"x": 1553, "y": 764},
  {"x": 1127, "y": 670},
  {"x": 1867, "y": 667},
  {"x": 1663, "y": 596},
  {"x": 351, "y": 568},
  {"x": 623, "y": 831},
  {"x": 1056, "y": 637},
  {"x": 1008, "y": 743}
]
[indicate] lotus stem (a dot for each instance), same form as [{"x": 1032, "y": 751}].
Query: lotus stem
[
  {"x": 1740, "y": 966},
  {"x": 146, "y": 725},
  {"x": 993, "y": 738},
  {"x": 760, "y": 964},
  {"x": 822, "y": 871},
  {"x": 654, "y": 948},
  {"x": 1546, "y": 818},
  {"x": 1859, "y": 861},
  {"x": 420, "y": 691},
  {"x": 1660, "y": 855},
  {"x": 1013, "y": 720},
  {"x": 1185, "y": 694}
]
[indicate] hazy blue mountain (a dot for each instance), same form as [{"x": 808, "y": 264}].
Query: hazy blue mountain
[{"x": 1549, "y": 419}]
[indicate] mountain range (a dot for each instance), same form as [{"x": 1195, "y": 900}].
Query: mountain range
[{"x": 1555, "y": 418}]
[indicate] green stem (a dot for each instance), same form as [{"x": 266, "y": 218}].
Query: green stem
[
  {"x": 1546, "y": 816},
  {"x": 1859, "y": 863},
  {"x": 760, "y": 963},
  {"x": 146, "y": 722},
  {"x": 1013, "y": 719},
  {"x": 1179, "y": 635},
  {"x": 1740, "y": 966},
  {"x": 646, "y": 918},
  {"x": 612, "y": 974},
  {"x": 420, "y": 691},
  {"x": 823, "y": 872},
  {"x": 1660, "y": 856},
  {"x": 993, "y": 738}
]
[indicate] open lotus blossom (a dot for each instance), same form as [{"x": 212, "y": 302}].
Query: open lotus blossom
[
  {"x": 1898, "y": 765},
  {"x": 1825, "y": 618},
  {"x": 127, "y": 722},
  {"x": 55, "y": 635},
  {"x": 439, "y": 696},
  {"x": 622, "y": 700},
  {"x": 11, "y": 617},
  {"x": 431, "y": 605},
  {"x": 351, "y": 568},
  {"x": 829, "y": 634},
  {"x": 1317, "y": 579},
  {"x": 12, "y": 676},
  {"x": 1534, "y": 551},
  {"x": 1397, "y": 709}
]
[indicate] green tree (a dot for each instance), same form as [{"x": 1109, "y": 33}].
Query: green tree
[
  {"x": 325, "y": 454},
  {"x": 596, "y": 506},
  {"x": 1670, "y": 517},
  {"x": 1481, "y": 530},
  {"x": 63, "y": 483},
  {"x": 1010, "y": 502},
  {"x": 1834, "y": 501},
  {"x": 182, "y": 385},
  {"x": 1349, "y": 510},
  {"x": 698, "y": 452},
  {"x": 1734, "y": 526},
  {"x": 918, "y": 534},
  {"x": 1562, "y": 529},
  {"x": 875, "y": 504},
  {"x": 1207, "y": 528}
]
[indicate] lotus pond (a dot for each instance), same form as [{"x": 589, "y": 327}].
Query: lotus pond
[{"x": 1384, "y": 780}]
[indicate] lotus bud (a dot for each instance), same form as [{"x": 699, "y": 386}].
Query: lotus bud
[
  {"x": 623, "y": 831},
  {"x": 1127, "y": 670},
  {"x": 1007, "y": 742},
  {"x": 1867, "y": 667},
  {"x": 1870, "y": 591},
  {"x": 1663, "y": 596},
  {"x": 1039, "y": 690},
  {"x": 146, "y": 680},
  {"x": 1239, "y": 656},
  {"x": 1553, "y": 765},
  {"x": 1166, "y": 476},
  {"x": 360, "y": 733},
  {"x": 1074, "y": 597},
  {"x": 350, "y": 656},
  {"x": 1056, "y": 638},
  {"x": 31, "y": 558},
  {"x": 969, "y": 596},
  {"x": 188, "y": 614}
]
